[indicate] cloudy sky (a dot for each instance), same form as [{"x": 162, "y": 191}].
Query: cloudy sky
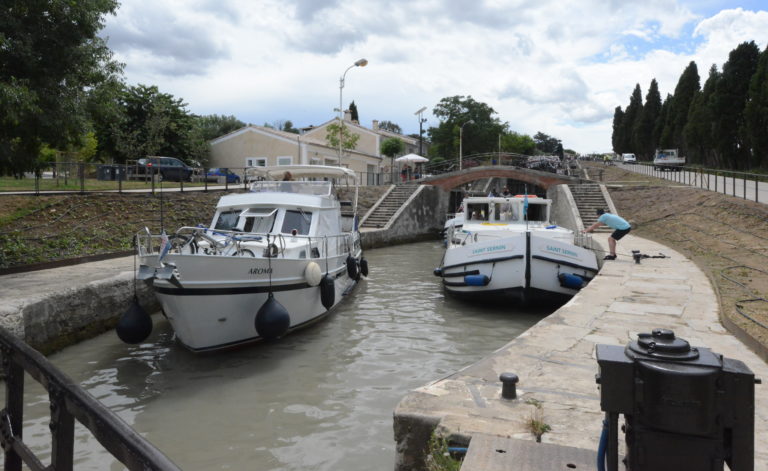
[{"x": 556, "y": 66}]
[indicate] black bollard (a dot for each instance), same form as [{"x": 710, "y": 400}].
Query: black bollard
[{"x": 509, "y": 385}]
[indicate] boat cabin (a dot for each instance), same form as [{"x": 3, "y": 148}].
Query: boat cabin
[{"x": 501, "y": 210}]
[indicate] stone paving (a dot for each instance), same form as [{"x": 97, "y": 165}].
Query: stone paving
[{"x": 556, "y": 363}]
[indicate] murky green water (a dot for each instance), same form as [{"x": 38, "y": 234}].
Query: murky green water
[{"x": 319, "y": 399}]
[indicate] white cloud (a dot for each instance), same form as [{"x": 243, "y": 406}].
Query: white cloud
[{"x": 551, "y": 66}]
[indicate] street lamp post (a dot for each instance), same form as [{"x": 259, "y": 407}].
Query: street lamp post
[
  {"x": 358, "y": 63},
  {"x": 461, "y": 141},
  {"x": 421, "y": 121}
]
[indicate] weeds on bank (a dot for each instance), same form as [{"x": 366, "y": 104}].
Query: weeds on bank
[{"x": 439, "y": 458}]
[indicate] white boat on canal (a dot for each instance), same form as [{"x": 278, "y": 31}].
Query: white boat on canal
[
  {"x": 273, "y": 260},
  {"x": 506, "y": 248}
]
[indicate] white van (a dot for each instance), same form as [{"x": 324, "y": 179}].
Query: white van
[{"x": 628, "y": 158}]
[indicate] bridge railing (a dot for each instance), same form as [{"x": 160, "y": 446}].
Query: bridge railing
[
  {"x": 547, "y": 163},
  {"x": 68, "y": 403}
]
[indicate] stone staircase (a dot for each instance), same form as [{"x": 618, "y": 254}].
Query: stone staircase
[
  {"x": 589, "y": 198},
  {"x": 389, "y": 206}
]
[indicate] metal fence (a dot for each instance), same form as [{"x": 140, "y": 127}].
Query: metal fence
[
  {"x": 79, "y": 177},
  {"x": 752, "y": 186},
  {"x": 69, "y": 403}
]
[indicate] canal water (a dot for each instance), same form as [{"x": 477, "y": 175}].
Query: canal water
[{"x": 319, "y": 399}]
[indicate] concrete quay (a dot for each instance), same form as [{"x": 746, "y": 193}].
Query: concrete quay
[{"x": 555, "y": 360}]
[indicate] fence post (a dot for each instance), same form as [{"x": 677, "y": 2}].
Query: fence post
[
  {"x": 122, "y": 173},
  {"x": 756, "y": 189},
  {"x": 745, "y": 186},
  {"x": 205, "y": 179},
  {"x": 81, "y": 174},
  {"x": 733, "y": 182}
]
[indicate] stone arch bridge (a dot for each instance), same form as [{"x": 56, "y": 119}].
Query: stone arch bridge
[{"x": 451, "y": 180}]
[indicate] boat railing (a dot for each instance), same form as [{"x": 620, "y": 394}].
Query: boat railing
[
  {"x": 207, "y": 241},
  {"x": 68, "y": 403}
]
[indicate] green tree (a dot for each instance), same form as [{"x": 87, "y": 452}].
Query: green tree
[
  {"x": 353, "y": 112},
  {"x": 617, "y": 136},
  {"x": 288, "y": 127},
  {"x": 480, "y": 136},
  {"x": 391, "y": 148},
  {"x": 547, "y": 144},
  {"x": 213, "y": 125},
  {"x": 156, "y": 123},
  {"x": 756, "y": 114},
  {"x": 348, "y": 140},
  {"x": 631, "y": 118},
  {"x": 662, "y": 133},
  {"x": 687, "y": 87},
  {"x": 729, "y": 101},
  {"x": 701, "y": 118},
  {"x": 518, "y": 143},
  {"x": 392, "y": 127},
  {"x": 645, "y": 143},
  {"x": 50, "y": 56}
]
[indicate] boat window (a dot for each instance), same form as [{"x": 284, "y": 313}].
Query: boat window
[
  {"x": 506, "y": 212},
  {"x": 477, "y": 212},
  {"x": 259, "y": 220},
  {"x": 537, "y": 212},
  {"x": 227, "y": 220},
  {"x": 296, "y": 220}
]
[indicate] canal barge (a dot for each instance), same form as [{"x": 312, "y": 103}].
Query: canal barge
[{"x": 507, "y": 249}]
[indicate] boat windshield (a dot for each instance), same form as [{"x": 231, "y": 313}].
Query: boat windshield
[
  {"x": 298, "y": 221},
  {"x": 506, "y": 212},
  {"x": 258, "y": 220},
  {"x": 227, "y": 220},
  {"x": 320, "y": 188},
  {"x": 477, "y": 212}
]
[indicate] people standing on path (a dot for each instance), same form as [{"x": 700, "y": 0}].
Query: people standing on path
[{"x": 620, "y": 228}]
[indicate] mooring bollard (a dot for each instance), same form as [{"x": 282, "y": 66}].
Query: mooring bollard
[{"x": 509, "y": 385}]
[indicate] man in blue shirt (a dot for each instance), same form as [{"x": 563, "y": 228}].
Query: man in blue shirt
[{"x": 620, "y": 228}]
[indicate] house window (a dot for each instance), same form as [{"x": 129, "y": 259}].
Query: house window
[
  {"x": 255, "y": 161},
  {"x": 315, "y": 161},
  {"x": 284, "y": 160}
]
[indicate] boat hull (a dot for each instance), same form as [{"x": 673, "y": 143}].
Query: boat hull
[
  {"x": 212, "y": 315},
  {"x": 523, "y": 267}
]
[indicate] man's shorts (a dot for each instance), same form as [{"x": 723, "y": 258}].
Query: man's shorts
[{"x": 619, "y": 233}]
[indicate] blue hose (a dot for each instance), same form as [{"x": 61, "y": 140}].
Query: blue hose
[{"x": 602, "y": 447}]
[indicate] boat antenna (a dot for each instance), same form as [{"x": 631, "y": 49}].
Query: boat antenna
[
  {"x": 525, "y": 207},
  {"x": 162, "y": 226},
  {"x": 269, "y": 264}
]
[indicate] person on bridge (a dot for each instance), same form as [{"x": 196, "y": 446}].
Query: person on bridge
[{"x": 620, "y": 228}]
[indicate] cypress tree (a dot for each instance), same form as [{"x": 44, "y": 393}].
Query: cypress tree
[
  {"x": 631, "y": 118},
  {"x": 617, "y": 137},
  {"x": 729, "y": 101},
  {"x": 755, "y": 126},
  {"x": 643, "y": 131},
  {"x": 687, "y": 87},
  {"x": 698, "y": 130},
  {"x": 660, "y": 140}
]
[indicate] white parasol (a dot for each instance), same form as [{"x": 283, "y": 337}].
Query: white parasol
[{"x": 415, "y": 158}]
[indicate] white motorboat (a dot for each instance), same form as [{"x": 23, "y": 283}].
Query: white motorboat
[
  {"x": 272, "y": 260},
  {"x": 507, "y": 248}
]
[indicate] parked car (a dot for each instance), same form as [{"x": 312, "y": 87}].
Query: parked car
[
  {"x": 628, "y": 158},
  {"x": 215, "y": 173},
  {"x": 169, "y": 168}
]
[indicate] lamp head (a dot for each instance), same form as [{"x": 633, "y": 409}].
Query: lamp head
[{"x": 361, "y": 62}]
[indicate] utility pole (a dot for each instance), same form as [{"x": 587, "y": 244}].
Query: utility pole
[{"x": 421, "y": 133}]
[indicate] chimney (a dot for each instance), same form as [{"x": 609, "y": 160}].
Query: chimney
[
  {"x": 347, "y": 115},
  {"x": 375, "y": 124}
]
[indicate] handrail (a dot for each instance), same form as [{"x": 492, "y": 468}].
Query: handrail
[{"x": 69, "y": 402}]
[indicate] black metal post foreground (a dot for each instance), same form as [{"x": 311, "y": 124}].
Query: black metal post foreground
[
  {"x": 509, "y": 385},
  {"x": 69, "y": 402}
]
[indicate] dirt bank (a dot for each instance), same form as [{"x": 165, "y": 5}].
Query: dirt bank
[{"x": 725, "y": 236}]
